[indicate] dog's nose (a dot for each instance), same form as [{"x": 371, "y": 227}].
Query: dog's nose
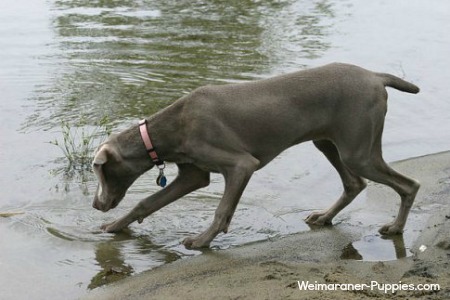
[
  {"x": 94, "y": 205},
  {"x": 100, "y": 206}
]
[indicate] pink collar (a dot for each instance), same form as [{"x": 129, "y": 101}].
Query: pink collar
[{"x": 148, "y": 143}]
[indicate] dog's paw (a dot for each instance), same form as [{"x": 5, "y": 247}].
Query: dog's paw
[
  {"x": 318, "y": 218},
  {"x": 111, "y": 227},
  {"x": 195, "y": 242},
  {"x": 391, "y": 229}
]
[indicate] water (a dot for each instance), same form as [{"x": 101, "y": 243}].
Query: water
[{"x": 63, "y": 61}]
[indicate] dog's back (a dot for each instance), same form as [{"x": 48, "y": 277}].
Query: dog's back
[{"x": 287, "y": 109}]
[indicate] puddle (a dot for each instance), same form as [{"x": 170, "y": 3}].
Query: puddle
[{"x": 376, "y": 248}]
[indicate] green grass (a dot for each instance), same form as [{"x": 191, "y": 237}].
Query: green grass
[{"x": 78, "y": 143}]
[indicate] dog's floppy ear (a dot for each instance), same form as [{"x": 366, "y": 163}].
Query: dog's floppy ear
[{"x": 103, "y": 154}]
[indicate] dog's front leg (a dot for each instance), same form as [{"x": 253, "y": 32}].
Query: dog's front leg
[
  {"x": 236, "y": 179},
  {"x": 190, "y": 178}
]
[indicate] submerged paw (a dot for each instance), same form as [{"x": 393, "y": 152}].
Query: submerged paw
[{"x": 318, "y": 218}]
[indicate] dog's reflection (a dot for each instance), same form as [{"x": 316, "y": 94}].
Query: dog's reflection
[
  {"x": 111, "y": 259},
  {"x": 399, "y": 245},
  {"x": 356, "y": 251}
]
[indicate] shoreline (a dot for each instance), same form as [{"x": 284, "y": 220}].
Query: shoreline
[{"x": 273, "y": 269}]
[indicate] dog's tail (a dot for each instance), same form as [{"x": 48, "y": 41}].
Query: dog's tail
[{"x": 398, "y": 83}]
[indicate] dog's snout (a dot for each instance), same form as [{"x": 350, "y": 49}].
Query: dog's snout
[
  {"x": 102, "y": 206},
  {"x": 97, "y": 204}
]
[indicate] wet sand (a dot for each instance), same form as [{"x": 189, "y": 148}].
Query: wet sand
[{"x": 273, "y": 269}]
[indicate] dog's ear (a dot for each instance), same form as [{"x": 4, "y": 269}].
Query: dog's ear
[
  {"x": 101, "y": 157},
  {"x": 104, "y": 153}
]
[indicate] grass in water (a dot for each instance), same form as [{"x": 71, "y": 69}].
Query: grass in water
[{"x": 77, "y": 145}]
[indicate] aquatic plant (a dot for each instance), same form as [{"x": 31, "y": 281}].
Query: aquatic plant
[{"x": 78, "y": 142}]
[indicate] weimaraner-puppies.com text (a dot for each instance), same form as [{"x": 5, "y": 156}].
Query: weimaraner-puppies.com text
[{"x": 236, "y": 129}]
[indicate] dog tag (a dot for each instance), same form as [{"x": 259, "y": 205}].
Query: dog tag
[{"x": 161, "y": 180}]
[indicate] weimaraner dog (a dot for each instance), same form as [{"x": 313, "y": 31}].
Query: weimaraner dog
[{"x": 236, "y": 129}]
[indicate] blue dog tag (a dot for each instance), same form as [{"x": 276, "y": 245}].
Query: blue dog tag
[{"x": 161, "y": 180}]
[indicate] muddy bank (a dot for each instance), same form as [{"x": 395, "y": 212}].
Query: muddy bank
[{"x": 273, "y": 269}]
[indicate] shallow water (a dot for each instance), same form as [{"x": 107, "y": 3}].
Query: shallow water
[{"x": 66, "y": 61}]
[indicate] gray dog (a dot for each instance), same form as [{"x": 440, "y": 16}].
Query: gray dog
[{"x": 236, "y": 129}]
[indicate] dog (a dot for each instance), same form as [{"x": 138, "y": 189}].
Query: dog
[{"x": 236, "y": 129}]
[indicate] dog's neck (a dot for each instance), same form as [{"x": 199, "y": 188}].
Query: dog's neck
[
  {"x": 148, "y": 143},
  {"x": 165, "y": 132},
  {"x": 164, "y": 129}
]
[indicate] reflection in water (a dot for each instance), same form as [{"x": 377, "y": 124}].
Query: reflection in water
[
  {"x": 127, "y": 59},
  {"x": 376, "y": 248},
  {"x": 113, "y": 266},
  {"x": 112, "y": 259},
  {"x": 349, "y": 252},
  {"x": 399, "y": 245}
]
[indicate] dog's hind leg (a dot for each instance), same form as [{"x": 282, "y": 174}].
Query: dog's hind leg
[
  {"x": 369, "y": 164},
  {"x": 237, "y": 171},
  {"x": 353, "y": 185}
]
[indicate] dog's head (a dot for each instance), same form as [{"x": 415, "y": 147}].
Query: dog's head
[{"x": 116, "y": 168}]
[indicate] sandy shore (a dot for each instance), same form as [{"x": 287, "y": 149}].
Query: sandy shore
[{"x": 273, "y": 269}]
